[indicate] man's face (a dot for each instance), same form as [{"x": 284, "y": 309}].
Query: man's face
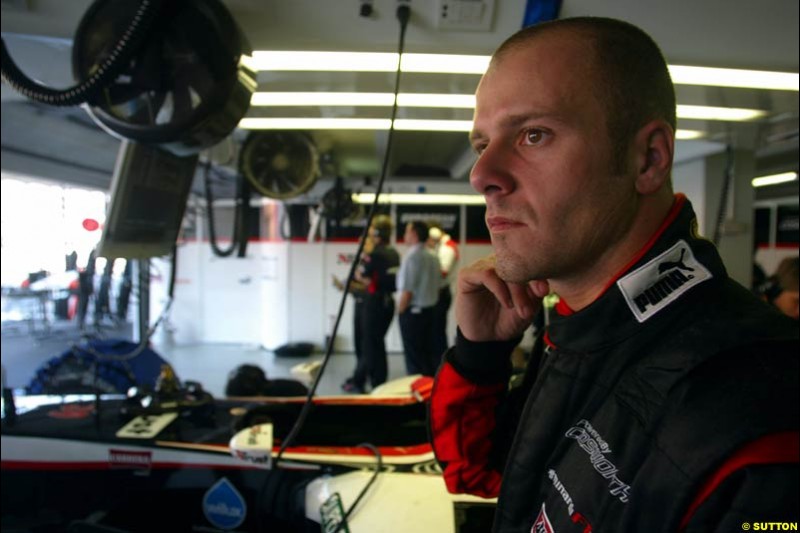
[
  {"x": 553, "y": 206},
  {"x": 789, "y": 303}
]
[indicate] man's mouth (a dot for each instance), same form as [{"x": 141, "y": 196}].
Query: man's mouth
[{"x": 500, "y": 224}]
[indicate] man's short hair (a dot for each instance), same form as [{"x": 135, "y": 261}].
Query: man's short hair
[
  {"x": 633, "y": 77},
  {"x": 382, "y": 227},
  {"x": 421, "y": 229}
]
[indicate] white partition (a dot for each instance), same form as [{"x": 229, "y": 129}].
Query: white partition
[
  {"x": 306, "y": 293},
  {"x": 281, "y": 292},
  {"x": 230, "y": 313},
  {"x": 183, "y": 326},
  {"x": 273, "y": 327}
]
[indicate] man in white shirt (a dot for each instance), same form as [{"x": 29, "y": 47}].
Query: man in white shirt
[
  {"x": 418, "y": 287},
  {"x": 446, "y": 250}
]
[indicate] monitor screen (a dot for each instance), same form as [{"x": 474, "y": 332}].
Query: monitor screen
[{"x": 149, "y": 191}]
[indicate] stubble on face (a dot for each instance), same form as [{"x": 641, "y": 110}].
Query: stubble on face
[
  {"x": 576, "y": 228},
  {"x": 511, "y": 265}
]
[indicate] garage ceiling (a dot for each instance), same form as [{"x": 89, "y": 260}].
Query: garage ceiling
[{"x": 65, "y": 145}]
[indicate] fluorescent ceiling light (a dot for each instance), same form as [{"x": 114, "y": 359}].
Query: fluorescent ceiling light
[
  {"x": 289, "y": 123},
  {"x": 688, "y": 135},
  {"x": 367, "y": 62},
  {"x": 432, "y": 125},
  {"x": 438, "y": 199},
  {"x": 735, "y": 114},
  {"x": 353, "y": 124},
  {"x": 477, "y": 64},
  {"x": 321, "y": 99},
  {"x": 463, "y": 101},
  {"x": 727, "y": 77},
  {"x": 325, "y": 61},
  {"x": 444, "y": 63},
  {"x": 774, "y": 179},
  {"x": 315, "y": 123},
  {"x": 460, "y": 101}
]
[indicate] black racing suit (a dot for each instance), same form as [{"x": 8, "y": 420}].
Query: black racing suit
[
  {"x": 668, "y": 404},
  {"x": 380, "y": 267}
]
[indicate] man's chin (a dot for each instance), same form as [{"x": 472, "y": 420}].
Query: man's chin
[{"x": 511, "y": 271}]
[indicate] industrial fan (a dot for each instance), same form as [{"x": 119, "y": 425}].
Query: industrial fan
[
  {"x": 337, "y": 203},
  {"x": 167, "y": 77},
  {"x": 185, "y": 90},
  {"x": 336, "y": 206},
  {"x": 279, "y": 164}
]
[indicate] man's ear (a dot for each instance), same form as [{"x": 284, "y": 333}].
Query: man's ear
[{"x": 655, "y": 146}]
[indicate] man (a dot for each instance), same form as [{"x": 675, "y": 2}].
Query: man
[
  {"x": 446, "y": 250},
  {"x": 377, "y": 273},
  {"x": 662, "y": 396},
  {"x": 358, "y": 291},
  {"x": 781, "y": 289},
  {"x": 418, "y": 288}
]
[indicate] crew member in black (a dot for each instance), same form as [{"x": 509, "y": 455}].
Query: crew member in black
[
  {"x": 358, "y": 291},
  {"x": 377, "y": 273},
  {"x": 662, "y": 396}
]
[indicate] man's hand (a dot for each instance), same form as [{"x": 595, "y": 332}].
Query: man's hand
[
  {"x": 490, "y": 309},
  {"x": 404, "y": 301}
]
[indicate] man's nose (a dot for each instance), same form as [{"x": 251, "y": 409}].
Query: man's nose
[{"x": 490, "y": 174}]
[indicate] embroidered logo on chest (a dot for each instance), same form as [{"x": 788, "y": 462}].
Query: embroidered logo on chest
[
  {"x": 593, "y": 444},
  {"x": 575, "y": 516},
  {"x": 652, "y": 287},
  {"x": 542, "y": 523}
]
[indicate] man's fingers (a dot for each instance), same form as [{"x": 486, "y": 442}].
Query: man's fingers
[
  {"x": 539, "y": 288},
  {"x": 492, "y": 282},
  {"x": 524, "y": 305}
]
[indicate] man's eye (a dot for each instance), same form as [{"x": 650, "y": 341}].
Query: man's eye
[
  {"x": 479, "y": 148},
  {"x": 533, "y": 136}
]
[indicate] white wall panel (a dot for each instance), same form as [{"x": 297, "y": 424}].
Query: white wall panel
[
  {"x": 231, "y": 310},
  {"x": 305, "y": 296},
  {"x": 273, "y": 261}
]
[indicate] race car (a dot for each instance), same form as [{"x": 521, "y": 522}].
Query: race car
[{"x": 190, "y": 462}]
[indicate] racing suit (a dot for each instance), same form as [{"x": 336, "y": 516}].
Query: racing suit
[
  {"x": 380, "y": 268},
  {"x": 668, "y": 404}
]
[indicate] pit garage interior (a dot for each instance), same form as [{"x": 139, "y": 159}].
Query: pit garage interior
[{"x": 245, "y": 283}]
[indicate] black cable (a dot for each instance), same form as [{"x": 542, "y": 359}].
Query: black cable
[
  {"x": 403, "y": 14},
  {"x": 173, "y": 265},
  {"x": 118, "y": 60},
  {"x": 212, "y": 230},
  {"x": 378, "y": 467},
  {"x": 242, "y": 215}
]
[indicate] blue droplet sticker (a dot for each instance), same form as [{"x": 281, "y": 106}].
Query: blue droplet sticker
[{"x": 223, "y": 506}]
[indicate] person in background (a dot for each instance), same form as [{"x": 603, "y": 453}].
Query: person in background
[
  {"x": 446, "y": 249},
  {"x": 86, "y": 288},
  {"x": 781, "y": 289},
  {"x": 358, "y": 291},
  {"x": 662, "y": 396},
  {"x": 418, "y": 288},
  {"x": 377, "y": 274}
]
